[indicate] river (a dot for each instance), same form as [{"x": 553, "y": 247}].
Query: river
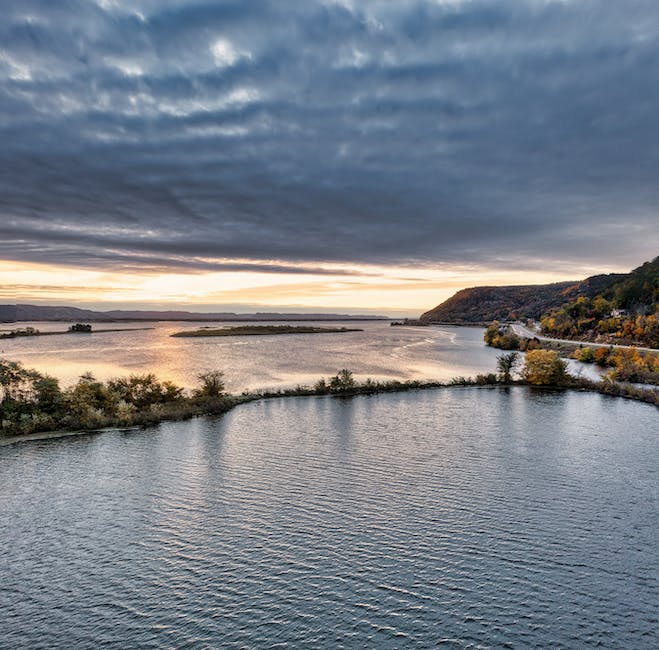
[
  {"x": 467, "y": 517},
  {"x": 250, "y": 362}
]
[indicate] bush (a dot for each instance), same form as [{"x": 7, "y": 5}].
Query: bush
[
  {"x": 486, "y": 380},
  {"x": 321, "y": 386},
  {"x": 212, "y": 385},
  {"x": 90, "y": 394},
  {"x": 144, "y": 390},
  {"x": 586, "y": 355},
  {"x": 342, "y": 382}
]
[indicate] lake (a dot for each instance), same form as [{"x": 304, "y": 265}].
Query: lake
[
  {"x": 379, "y": 352},
  {"x": 462, "y": 517}
]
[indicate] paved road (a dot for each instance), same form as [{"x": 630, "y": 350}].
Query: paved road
[{"x": 526, "y": 333}]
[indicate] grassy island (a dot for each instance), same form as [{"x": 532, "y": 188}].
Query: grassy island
[
  {"x": 264, "y": 330},
  {"x": 73, "y": 329}
]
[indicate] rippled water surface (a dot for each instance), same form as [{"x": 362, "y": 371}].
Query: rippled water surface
[
  {"x": 473, "y": 518},
  {"x": 379, "y": 351}
]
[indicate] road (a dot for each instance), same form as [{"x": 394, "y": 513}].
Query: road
[{"x": 525, "y": 333}]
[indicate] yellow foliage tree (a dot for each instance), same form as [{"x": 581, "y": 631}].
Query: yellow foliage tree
[{"x": 544, "y": 367}]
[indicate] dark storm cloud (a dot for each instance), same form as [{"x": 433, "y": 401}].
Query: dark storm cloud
[{"x": 172, "y": 133}]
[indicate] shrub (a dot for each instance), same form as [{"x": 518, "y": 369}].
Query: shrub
[
  {"x": 90, "y": 394},
  {"x": 342, "y": 382},
  {"x": 212, "y": 384},
  {"x": 486, "y": 380},
  {"x": 602, "y": 356},
  {"x": 144, "y": 390}
]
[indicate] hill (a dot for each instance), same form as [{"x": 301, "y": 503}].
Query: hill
[
  {"x": 626, "y": 311},
  {"x": 22, "y": 313},
  {"x": 620, "y": 308},
  {"x": 485, "y": 304}
]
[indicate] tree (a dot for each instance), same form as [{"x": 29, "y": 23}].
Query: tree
[
  {"x": 12, "y": 380},
  {"x": 586, "y": 355},
  {"x": 49, "y": 397},
  {"x": 90, "y": 395},
  {"x": 212, "y": 384},
  {"x": 506, "y": 365},
  {"x": 80, "y": 327},
  {"x": 144, "y": 390},
  {"x": 492, "y": 333},
  {"x": 26, "y": 391},
  {"x": 602, "y": 356},
  {"x": 544, "y": 367},
  {"x": 342, "y": 381}
]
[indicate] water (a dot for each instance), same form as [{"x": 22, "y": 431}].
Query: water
[
  {"x": 380, "y": 352},
  {"x": 472, "y": 518}
]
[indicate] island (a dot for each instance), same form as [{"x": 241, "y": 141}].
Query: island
[
  {"x": 264, "y": 330},
  {"x": 78, "y": 328}
]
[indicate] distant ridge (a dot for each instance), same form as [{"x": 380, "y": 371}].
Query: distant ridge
[
  {"x": 18, "y": 313},
  {"x": 485, "y": 304}
]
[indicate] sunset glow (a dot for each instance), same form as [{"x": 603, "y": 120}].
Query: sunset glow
[{"x": 395, "y": 291}]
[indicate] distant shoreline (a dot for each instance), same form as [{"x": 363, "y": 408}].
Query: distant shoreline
[
  {"x": 24, "y": 313},
  {"x": 10, "y": 336},
  {"x": 236, "y": 319}
]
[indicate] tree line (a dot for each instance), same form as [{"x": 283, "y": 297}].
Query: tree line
[{"x": 31, "y": 401}]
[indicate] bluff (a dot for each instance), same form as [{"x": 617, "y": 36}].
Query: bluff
[{"x": 485, "y": 304}]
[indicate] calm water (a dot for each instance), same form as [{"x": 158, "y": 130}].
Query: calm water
[
  {"x": 380, "y": 352},
  {"x": 473, "y": 518}
]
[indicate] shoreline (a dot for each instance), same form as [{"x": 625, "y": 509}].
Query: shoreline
[
  {"x": 10, "y": 337},
  {"x": 233, "y": 401}
]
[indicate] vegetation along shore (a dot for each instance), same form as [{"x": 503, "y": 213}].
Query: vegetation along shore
[
  {"x": 623, "y": 364},
  {"x": 606, "y": 309},
  {"x": 78, "y": 328},
  {"x": 32, "y": 402}
]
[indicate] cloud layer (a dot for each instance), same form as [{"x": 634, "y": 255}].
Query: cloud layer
[{"x": 157, "y": 133}]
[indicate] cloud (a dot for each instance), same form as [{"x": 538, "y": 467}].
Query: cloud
[{"x": 283, "y": 133}]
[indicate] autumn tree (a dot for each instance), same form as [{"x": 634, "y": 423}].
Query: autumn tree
[{"x": 544, "y": 367}]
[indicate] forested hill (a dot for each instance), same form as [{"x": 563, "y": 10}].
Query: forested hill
[
  {"x": 625, "y": 312},
  {"x": 485, "y": 304},
  {"x": 635, "y": 292}
]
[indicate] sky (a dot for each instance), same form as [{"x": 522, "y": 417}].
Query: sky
[{"x": 369, "y": 156}]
